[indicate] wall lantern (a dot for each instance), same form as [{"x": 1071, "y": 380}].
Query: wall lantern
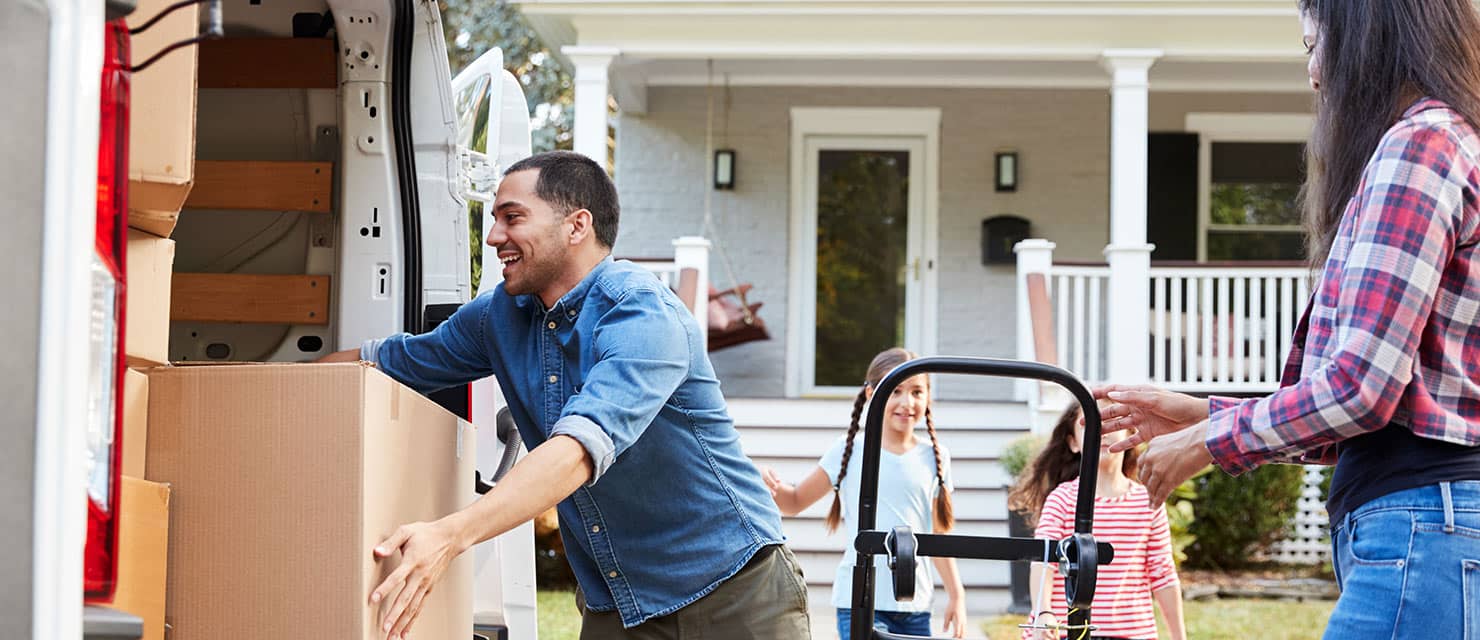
[
  {"x": 1007, "y": 171},
  {"x": 724, "y": 169}
]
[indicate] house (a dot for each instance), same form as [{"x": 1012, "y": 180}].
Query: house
[{"x": 887, "y": 157}]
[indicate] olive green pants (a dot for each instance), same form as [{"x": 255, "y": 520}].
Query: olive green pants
[{"x": 766, "y": 600}]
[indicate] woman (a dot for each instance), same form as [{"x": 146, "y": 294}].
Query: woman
[{"x": 1384, "y": 379}]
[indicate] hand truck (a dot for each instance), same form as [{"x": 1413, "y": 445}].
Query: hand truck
[{"x": 1078, "y": 556}]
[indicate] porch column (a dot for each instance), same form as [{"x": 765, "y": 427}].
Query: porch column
[
  {"x": 592, "y": 87},
  {"x": 1034, "y": 255},
  {"x": 1128, "y": 253},
  {"x": 692, "y": 252}
]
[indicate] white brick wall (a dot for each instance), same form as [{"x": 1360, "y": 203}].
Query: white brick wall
[{"x": 1062, "y": 137}]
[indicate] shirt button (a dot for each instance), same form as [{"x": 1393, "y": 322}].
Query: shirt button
[
  {"x": 554, "y": 379},
  {"x": 612, "y": 574},
  {"x": 571, "y": 313},
  {"x": 596, "y": 529},
  {"x": 551, "y": 325}
]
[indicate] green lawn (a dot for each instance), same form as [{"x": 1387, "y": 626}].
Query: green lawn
[
  {"x": 1223, "y": 620},
  {"x": 1206, "y": 619},
  {"x": 558, "y": 617}
]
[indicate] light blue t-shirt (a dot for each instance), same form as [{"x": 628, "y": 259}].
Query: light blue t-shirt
[{"x": 907, "y": 491}]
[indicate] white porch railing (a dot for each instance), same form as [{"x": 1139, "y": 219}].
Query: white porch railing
[
  {"x": 687, "y": 274},
  {"x": 1213, "y": 328}
]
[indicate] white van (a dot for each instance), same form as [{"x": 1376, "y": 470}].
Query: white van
[{"x": 414, "y": 154}]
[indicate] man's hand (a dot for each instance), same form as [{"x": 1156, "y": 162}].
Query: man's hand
[
  {"x": 1171, "y": 460},
  {"x": 347, "y": 355},
  {"x": 1149, "y": 411},
  {"x": 426, "y": 549}
]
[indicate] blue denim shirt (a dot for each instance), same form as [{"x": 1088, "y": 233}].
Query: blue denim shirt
[{"x": 674, "y": 507}]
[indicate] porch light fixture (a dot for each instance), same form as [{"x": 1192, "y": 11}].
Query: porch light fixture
[
  {"x": 724, "y": 169},
  {"x": 1007, "y": 171}
]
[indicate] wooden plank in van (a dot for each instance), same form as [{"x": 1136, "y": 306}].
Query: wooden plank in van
[
  {"x": 268, "y": 63},
  {"x": 250, "y": 298},
  {"x": 262, "y": 185}
]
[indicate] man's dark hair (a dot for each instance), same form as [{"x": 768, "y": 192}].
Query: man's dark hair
[{"x": 571, "y": 181}]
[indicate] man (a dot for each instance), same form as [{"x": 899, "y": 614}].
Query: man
[{"x": 667, "y": 525}]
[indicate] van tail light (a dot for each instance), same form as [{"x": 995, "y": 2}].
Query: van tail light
[{"x": 106, "y": 360}]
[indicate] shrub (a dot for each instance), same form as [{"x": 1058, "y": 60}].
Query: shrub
[
  {"x": 1239, "y": 518},
  {"x": 1181, "y": 514},
  {"x": 1018, "y": 453}
]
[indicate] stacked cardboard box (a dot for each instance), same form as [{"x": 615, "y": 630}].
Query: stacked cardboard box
[
  {"x": 161, "y": 169},
  {"x": 161, "y": 163},
  {"x": 143, "y": 539},
  {"x": 285, "y": 477}
]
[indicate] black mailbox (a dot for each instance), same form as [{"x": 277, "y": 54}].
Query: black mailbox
[{"x": 999, "y": 235}]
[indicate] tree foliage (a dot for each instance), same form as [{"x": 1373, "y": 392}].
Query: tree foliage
[{"x": 473, "y": 27}]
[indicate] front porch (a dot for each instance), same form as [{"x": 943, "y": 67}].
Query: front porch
[
  {"x": 1208, "y": 328},
  {"x": 932, "y": 91}
]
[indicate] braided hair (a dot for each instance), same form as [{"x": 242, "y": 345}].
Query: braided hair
[{"x": 944, "y": 512}]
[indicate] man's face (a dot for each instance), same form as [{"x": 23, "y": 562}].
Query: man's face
[{"x": 531, "y": 238}]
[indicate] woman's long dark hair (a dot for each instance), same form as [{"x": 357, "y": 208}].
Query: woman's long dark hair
[
  {"x": 944, "y": 514},
  {"x": 1377, "y": 58},
  {"x": 1056, "y": 464}
]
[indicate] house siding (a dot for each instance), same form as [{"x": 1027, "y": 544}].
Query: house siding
[{"x": 1061, "y": 136}]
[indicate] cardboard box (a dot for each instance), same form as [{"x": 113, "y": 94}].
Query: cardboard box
[
  {"x": 135, "y": 421},
  {"x": 286, "y": 476},
  {"x": 143, "y": 543},
  {"x": 161, "y": 145},
  {"x": 147, "y": 324}
]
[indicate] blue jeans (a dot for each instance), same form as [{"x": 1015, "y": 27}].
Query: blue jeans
[
  {"x": 913, "y": 624},
  {"x": 1408, "y": 565}
]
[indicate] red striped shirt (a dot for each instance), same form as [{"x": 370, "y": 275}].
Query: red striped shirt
[{"x": 1143, "y": 558}]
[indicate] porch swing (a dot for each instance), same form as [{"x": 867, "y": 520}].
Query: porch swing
[{"x": 732, "y": 317}]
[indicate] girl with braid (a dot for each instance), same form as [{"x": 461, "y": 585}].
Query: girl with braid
[
  {"x": 1142, "y": 572},
  {"x": 914, "y": 490}
]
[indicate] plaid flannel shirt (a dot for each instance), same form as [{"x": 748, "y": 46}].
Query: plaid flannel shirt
[{"x": 1392, "y": 332}]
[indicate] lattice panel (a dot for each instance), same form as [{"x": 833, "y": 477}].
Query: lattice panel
[{"x": 1309, "y": 543}]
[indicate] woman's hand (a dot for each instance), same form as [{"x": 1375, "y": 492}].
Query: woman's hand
[
  {"x": 1149, "y": 411},
  {"x": 955, "y": 622},
  {"x": 1170, "y": 461}
]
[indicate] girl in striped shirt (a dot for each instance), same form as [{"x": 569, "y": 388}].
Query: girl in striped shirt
[{"x": 1143, "y": 570}]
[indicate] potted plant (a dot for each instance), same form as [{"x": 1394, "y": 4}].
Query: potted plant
[{"x": 1014, "y": 459}]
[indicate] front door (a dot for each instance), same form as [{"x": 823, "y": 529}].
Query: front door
[{"x": 865, "y": 261}]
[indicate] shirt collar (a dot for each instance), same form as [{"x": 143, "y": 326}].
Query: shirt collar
[
  {"x": 572, "y": 299},
  {"x": 1423, "y": 104}
]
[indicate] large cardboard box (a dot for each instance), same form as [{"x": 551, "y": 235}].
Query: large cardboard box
[
  {"x": 161, "y": 162},
  {"x": 285, "y": 477},
  {"x": 151, "y": 260},
  {"x": 135, "y": 421},
  {"x": 143, "y": 543}
]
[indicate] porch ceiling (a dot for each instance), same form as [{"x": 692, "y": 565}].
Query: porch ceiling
[
  {"x": 1166, "y": 75},
  {"x": 1198, "y": 30},
  {"x": 1205, "y": 45}
]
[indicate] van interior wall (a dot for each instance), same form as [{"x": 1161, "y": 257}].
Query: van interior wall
[{"x": 255, "y": 124}]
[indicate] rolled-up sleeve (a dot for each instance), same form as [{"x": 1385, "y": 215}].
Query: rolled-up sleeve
[
  {"x": 642, "y": 355},
  {"x": 1402, "y": 234},
  {"x": 454, "y": 353}
]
